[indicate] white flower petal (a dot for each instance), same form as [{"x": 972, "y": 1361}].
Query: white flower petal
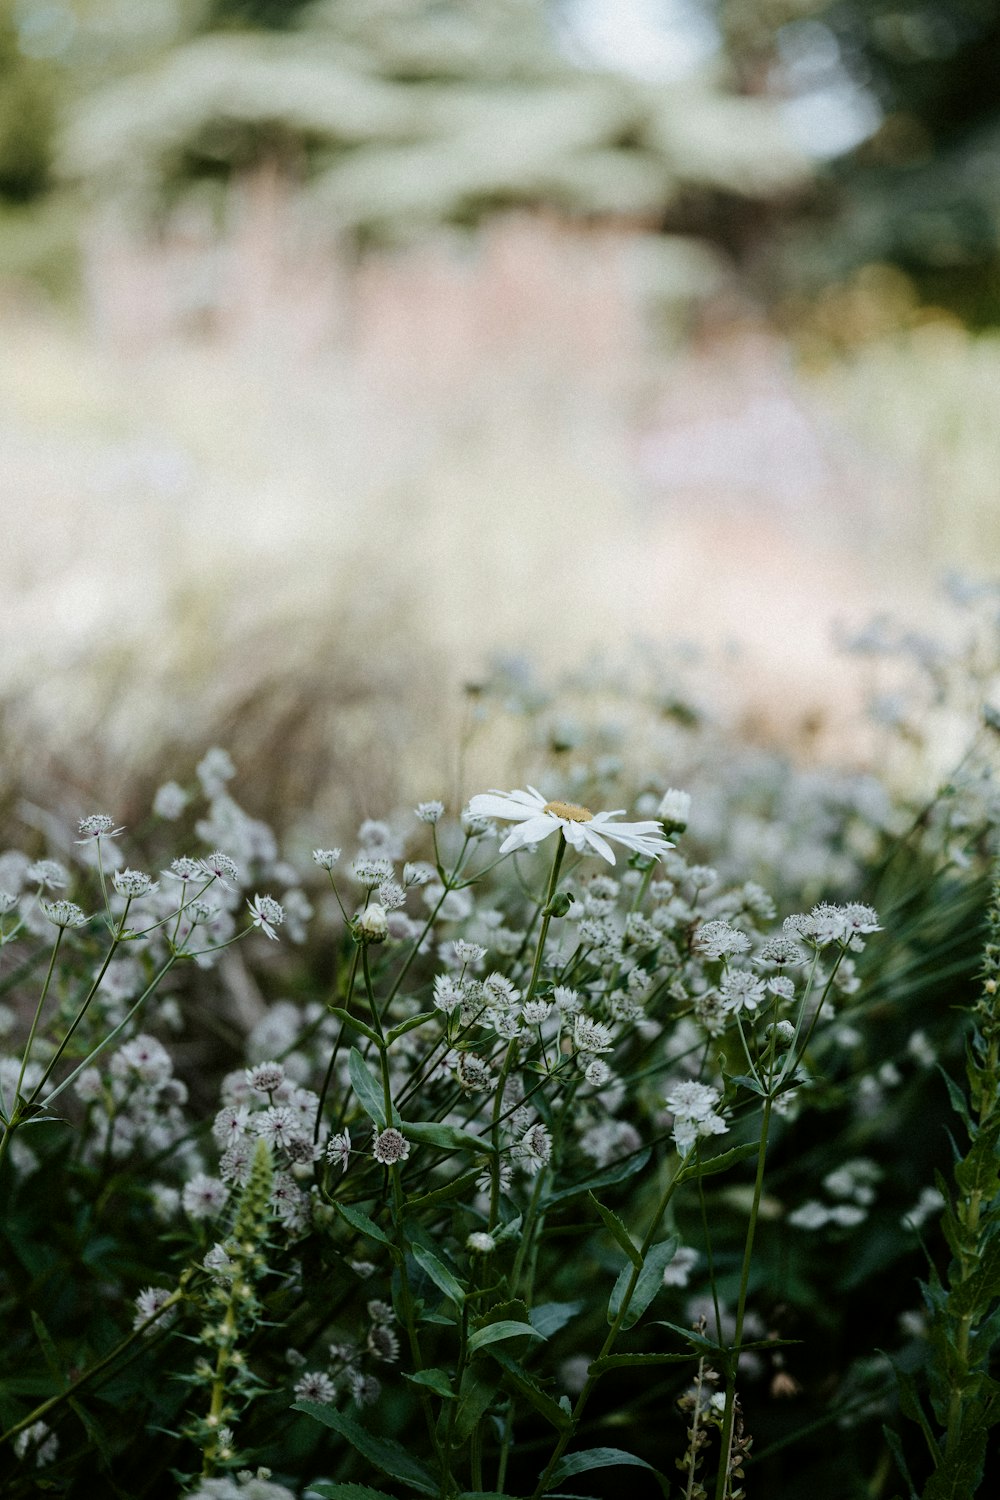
[
  {"x": 511, "y": 806},
  {"x": 599, "y": 845},
  {"x": 532, "y": 831}
]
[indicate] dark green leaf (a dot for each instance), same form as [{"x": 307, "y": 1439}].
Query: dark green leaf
[
  {"x": 474, "y": 1397},
  {"x": 638, "y": 1361},
  {"x": 495, "y": 1333},
  {"x": 448, "y": 1137},
  {"x": 597, "y": 1458},
  {"x": 439, "y": 1273},
  {"x": 361, "y": 1222},
  {"x": 527, "y": 1386},
  {"x": 896, "y": 1449},
  {"x": 367, "y": 1090},
  {"x": 410, "y": 1025},
  {"x": 647, "y": 1283},
  {"x": 330, "y": 1489},
  {"x": 48, "y": 1349},
  {"x": 548, "y": 1317},
  {"x": 385, "y": 1453},
  {"x": 457, "y": 1188},
  {"x": 348, "y": 1020},
  {"x": 437, "y": 1381},
  {"x": 715, "y": 1164},
  {"x": 617, "y": 1230},
  {"x": 620, "y": 1173}
]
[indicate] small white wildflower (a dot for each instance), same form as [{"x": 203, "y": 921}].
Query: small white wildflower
[
  {"x": 326, "y": 858},
  {"x": 339, "y": 1149},
  {"x": 741, "y": 990},
  {"x": 134, "y": 884},
  {"x": 222, "y": 867},
  {"x": 267, "y": 914},
  {"x": 7, "y": 903},
  {"x": 430, "y": 812},
  {"x": 674, "y": 810},
  {"x": 63, "y": 913},
  {"x": 591, "y": 1036},
  {"x": 534, "y": 1149},
  {"x": 847, "y": 1214},
  {"x": 370, "y": 870},
  {"x": 475, "y": 1075},
  {"x": 390, "y": 1146},
  {"x": 372, "y": 925},
  {"x": 480, "y": 1243},
  {"x": 535, "y": 1012},
  {"x": 96, "y": 826},
  {"x": 467, "y": 953},
  {"x": 678, "y": 1271},
  {"x": 214, "y": 770},
  {"x": 383, "y": 1343},
  {"x": 148, "y": 1302},
  {"x": 265, "y": 1077},
  {"x": 316, "y": 1386},
  {"x": 47, "y": 872},
  {"x": 584, "y": 831},
  {"x": 204, "y": 1197},
  {"x": 39, "y": 1437},
  {"x": 717, "y": 939},
  {"x": 417, "y": 873},
  {"x": 781, "y": 952},
  {"x": 170, "y": 801},
  {"x": 810, "y": 1215}
]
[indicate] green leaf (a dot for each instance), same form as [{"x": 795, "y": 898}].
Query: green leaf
[
  {"x": 980, "y": 1171},
  {"x": 410, "y": 1025},
  {"x": 527, "y": 1386},
  {"x": 363, "y": 1224},
  {"x": 495, "y": 1333},
  {"x": 548, "y": 1317},
  {"x": 611, "y": 1175},
  {"x": 690, "y": 1335},
  {"x": 48, "y": 1349},
  {"x": 617, "y": 1230},
  {"x": 347, "y": 1019},
  {"x": 958, "y": 1100},
  {"x": 385, "y": 1453},
  {"x": 448, "y": 1137},
  {"x": 457, "y": 1188},
  {"x": 438, "y": 1272},
  {"x": 745, "y": 1081},
  {"x": 366, "y": 1088},
  {"x": 475, "y": 1396},
  {"x": 896, "y": 1449},
  {"x": 648, "y": 1283},
  {"x": 331, "y": 1489},
  {"x": 978, "y": 1290},
  {"x": 638, "y": 1361},
  {"x": 437, "y": 1381},
  {"x": 598, "y": 1458},
  {"x": 715, "y": 1164}
]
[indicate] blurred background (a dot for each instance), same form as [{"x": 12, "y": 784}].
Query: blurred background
[{"x": 350, "y": 346}]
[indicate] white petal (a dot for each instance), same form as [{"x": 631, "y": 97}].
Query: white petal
[
  {"x": 533, "y": 831},
  {"x": 600, "y": 846},
  {"x": 502, "y": 805}
]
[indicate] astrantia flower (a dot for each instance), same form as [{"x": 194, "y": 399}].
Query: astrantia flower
[
  {"x": 133, "y": 884},
  {"x": 47, "y": 872},
  {"x": 583, "y": 830},
  {"x": 430, "y": 812},
  {"x": 390, "y": 1146},
  {"x": 339, "y": 1149},
  {"x": 267, "y": 914},
  {"x": 96, "y": 825},
  {"x": 316, "y": 1386},
  {"x": 222, "y": 867},
  {"x": 63, "y": 913},
  {"x": 326, "y": 858},
  {"x": 717, "y": 939}
]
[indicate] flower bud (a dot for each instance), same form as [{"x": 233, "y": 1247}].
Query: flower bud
[
  {"x": 674, "y": 810},
  {"x": 372, "y": 926}
]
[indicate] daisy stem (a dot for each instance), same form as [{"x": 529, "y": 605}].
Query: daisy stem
[
  {"x": 729, "y": 1413},
  {"x": 536, "y": 969}
]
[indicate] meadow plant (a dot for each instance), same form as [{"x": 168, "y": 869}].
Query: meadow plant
[{"x": 515, "y": 1165}]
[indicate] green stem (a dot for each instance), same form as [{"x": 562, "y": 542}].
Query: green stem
[{"x": 614, "y": 1331}]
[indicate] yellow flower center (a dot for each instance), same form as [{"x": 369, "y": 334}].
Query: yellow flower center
[{"x": 571, "y": 811}]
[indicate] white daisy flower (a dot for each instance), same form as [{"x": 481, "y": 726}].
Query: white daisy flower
[{"x": 584, "y": 831}]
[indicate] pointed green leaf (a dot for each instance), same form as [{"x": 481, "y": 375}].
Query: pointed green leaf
[
  {"x": 715, "y": 1164},
  {"x": 360, "y": 1221},
  {"x": 611, "y": 1175},
  {"x": 385, "y": 1453},
  {"x": 527, "y": 1386},
  {"x": 367, "y": 1090},
  {"x": 448, "y": 1137},
  {"x": 598, "y": 1458},
  {"x": 549, "y": 1317},
  {"x": 637, "y": 1361},
  {"x": 345, "y": 1017},
  {"x": 647, "y": 1284},
  {"x": 48, "y": 1349},
  {"x": 457, "y": 1188},
  {"x": 896, "y": 1449},
  {"x": 411, "y": 1025},
  {"x": 617, "y": 1230},
  {"x": 330, "y": 1489},
  {"x": 437, "y": 1381},
  {"x": 439, "y": 1273},
  {"x": 495, "y": 1333}
]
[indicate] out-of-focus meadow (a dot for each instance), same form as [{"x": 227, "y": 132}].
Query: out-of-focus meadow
[{"x": 349, "y": 345}]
